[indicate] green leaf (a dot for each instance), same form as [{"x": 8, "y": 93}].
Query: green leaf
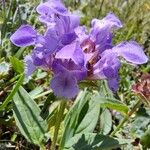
[
  {"x": 145, "y": 139},
  {"x": 17, "y": 65},
  {"x": 90, "y": 118},
  {"x": 49, "y": 107},
  {"x": 27, "y": 117},
  {"x": 93, "y": 141},
  {"x": 36, "y": 91},
  {"x": 1, "y": 20},
  {"x": 74, "y": 116},
  {"x": 82, "y": 117},
  {"x": 105, "y": 122},
  {"x": 113, "y": 103},
  {"x": 10, "y": 96},
  {"x": 141, "y": 122},
  {"x": 104, "y": 90}
]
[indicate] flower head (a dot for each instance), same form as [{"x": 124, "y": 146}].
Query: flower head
[
  {"x": 73, "y": 54},
  {"x": 142, "y": 88}
]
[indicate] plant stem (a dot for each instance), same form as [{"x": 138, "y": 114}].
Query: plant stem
[
  {"x": 100, "y": 8},
  {"x": 137, "y": 105},
  {"x": 14, "y": 90},
  {"x": 8, "y": 83},
  {"x": 58, "y": 122}
]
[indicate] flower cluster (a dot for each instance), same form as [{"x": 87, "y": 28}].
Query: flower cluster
[
  {"x": 142, "y": 88},
  {"x": 72, "y": 53}
]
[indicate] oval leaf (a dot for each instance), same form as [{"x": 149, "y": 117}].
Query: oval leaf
[
  {"x": 113, "y": 103},
  {"x": 105, "y": 121},
  {"x": 93, "y": 141},
  {"x": 27, "y": 117}
]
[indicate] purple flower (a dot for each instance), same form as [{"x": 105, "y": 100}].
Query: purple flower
[
  {"x": 49, "y": 10},
  {"x": 52, "y": 6},
  {"x": 108, "y": 66},
  {"x": 73, "y": 54},
  {"x": 64, "y": 85},
  {"x": 65, "y": 27},
  {"x": 44, "y": 46},
  {"x": 66, "y": 76},
  {"x": 72, "y": 51},
  {"x": 29, "y": 65},
  {"x": 56, "y": 36},
  {"x": 110, "y": 21},
  {"x": 101, "y": 31},
  {"x": 24, "y": 36},
  {"x": 131, "y": 51}
]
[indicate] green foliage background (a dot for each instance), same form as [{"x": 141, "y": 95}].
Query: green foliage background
[{"x": 135, "y": 16}]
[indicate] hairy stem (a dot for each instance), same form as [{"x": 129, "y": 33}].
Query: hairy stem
[{"x": 58, "y": 122}]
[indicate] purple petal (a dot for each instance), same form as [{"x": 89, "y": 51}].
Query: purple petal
[
  {"x": 39, "y": 57},
  {"x": 102, "y": 38},
  {"x": 24, "y": 36},
  {"x": 52, "y": 6},
  {"x": 113, "y": 84},
  {"x": 72, "y": 51},
  {"x": 50, "y": 10},
  {"x": 43, "y": 8},
  {"x": 109, "y": 72},
  {"x": 74, "y": 22},
  {"x": 101, "y": 31},
  {"x": 113, "y": 21},
  {"x": 68, "y": 38},
  {"x": 64, "y": 85},
  {"x": 79, "y": 74},
  {"x": 107, "y": 67},
  {"x": 29, "y": 66},
  {"x": 57, "y": 66},
  {"x": 81, "y": 33},
  {"x": 42, "y": 58},
  {"x": 67, "y": 65},
  {"x": 46, "y": 20},
  {"x": 78, "y": 56},
  {"x": 131, "y": 51},
  {"x": 48, "y": 43},
  {"x": 67, "y": 24},
  {"x": 51, "y": 40},
  {"x": 110, "y": 21}
]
